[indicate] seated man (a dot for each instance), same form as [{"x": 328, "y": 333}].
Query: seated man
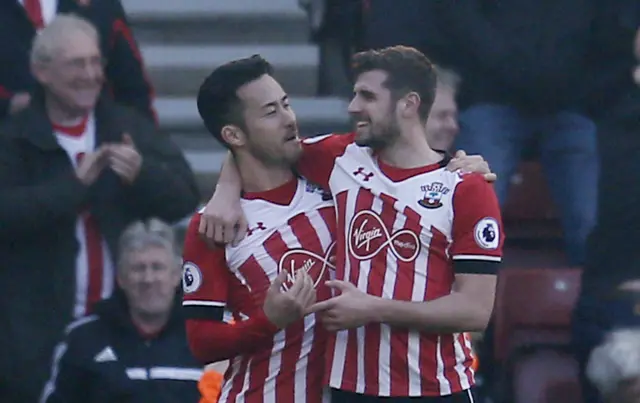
[{"x": 134, "y": 348}]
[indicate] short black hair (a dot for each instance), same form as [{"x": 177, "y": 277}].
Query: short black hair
[
  {"x": 408, "y": 70},
  {"x": 218, "y": 102}
]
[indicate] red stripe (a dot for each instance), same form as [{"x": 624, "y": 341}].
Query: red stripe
[
  {"x": 237, "y": 382},
  {"x": 258, "y": 373},
  {"x": 308, "y": 238},
  {"x": 364, "y": 201},
  {"x": 120, "y": 27},
  {"x": 5, "y": 93},
  {"x": 95, "y": 259},
  {"x": 449, "y": 359},
  {"x": 276, "y": 247},
  {"x": 468, "y": 358},
  {"x": 375, "y": 286},
  {"x": 439, "y": 278},
  {"x": 34, "y": 12}
]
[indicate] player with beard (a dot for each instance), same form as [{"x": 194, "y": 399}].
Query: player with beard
[{"x": 418, "y": 246}]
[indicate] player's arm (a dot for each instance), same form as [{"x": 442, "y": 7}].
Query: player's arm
[
  {"x": 223, "y": 221},
  {"x": 476, "y": 252},
  {"x": 207, "y": 284}
]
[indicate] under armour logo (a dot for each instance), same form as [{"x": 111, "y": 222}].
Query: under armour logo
[
  {"x": 259, "y": 226},
  {"x": 367, "y": 175}
]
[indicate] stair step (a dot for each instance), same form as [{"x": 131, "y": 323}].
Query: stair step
[
  {"x": 180, "y": 114},
  {"x": 172, "y": 9},
  {"x": 180, "y": 69}
]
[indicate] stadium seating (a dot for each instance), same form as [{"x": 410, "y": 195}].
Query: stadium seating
[{"x": 532, "y": 334}]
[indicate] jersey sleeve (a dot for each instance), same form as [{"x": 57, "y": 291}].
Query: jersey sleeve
[
  {"x": 205, "y": 277},
  {"x": 319, "y": 155},
  {"x": 477, "y": 233}
]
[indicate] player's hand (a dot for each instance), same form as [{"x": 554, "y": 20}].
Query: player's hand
[
  {"x": 223, "y": 220},
  {"x": 350, "y": 309},
  {"x": 471, "y": 163},
  {"x": 92, "y": 165},
  {"x": 18, "y": 102},
  {"x": 283, "y": 307}
]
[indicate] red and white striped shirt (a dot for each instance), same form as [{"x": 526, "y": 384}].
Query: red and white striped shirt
[
  {"x": 95, "y": 274},
  {"x": 290, "y": 228},
  {"x": 400, "y": 230}
]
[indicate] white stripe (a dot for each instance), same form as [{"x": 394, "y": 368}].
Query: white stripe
[
  {"x": 175, "y": 373},
  {"x": 79, "y": 322},
  {"x": 364, "y": 270},
  {"x": 445, "y": 386},
  {"x": 339, "y": 356},
  {"x": 315, "y": 139},
  {"x": 467, "y": 343},
  {"x": 471, "y": 400},
  {"x": 302, "y": 365},
  {"x": 138, "y": 374},
  {"x": 388, "y": 288},
  {"x": 50, "y": 386},
  {"x": 202, "y": 303},
  {"x": 108, "y": 272},
  {"x": 227, "y": 384},
  {"x": 460, "y": 359},
  {"x": 240, "y": 398},
  {"x": 478, "y": 257},
  {"x": 82, "y": 272}
]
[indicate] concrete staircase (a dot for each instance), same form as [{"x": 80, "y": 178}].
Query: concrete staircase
[{"x": 181, "y": 42}]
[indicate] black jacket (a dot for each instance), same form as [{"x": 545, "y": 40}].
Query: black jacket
[
  {"x": 40, "y": 198},
  {"x": 103, "y": 359},
  {"x": 125, "y": 74}
]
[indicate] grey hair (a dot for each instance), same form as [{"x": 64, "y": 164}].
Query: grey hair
[
  {"x": 49, "y": 41},
  {"x": 616, "y": 360},
  {"x": 144, "y": 234},
  {"x": 448, "y": 78}
]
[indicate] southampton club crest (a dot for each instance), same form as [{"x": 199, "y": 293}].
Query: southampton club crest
[{"x": 433, "y": 193}]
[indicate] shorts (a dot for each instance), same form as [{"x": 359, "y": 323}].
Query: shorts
[{"x": 340, "y": 396}]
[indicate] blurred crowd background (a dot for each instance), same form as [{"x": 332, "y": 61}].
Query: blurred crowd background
[{"x": 547, "y": 91}]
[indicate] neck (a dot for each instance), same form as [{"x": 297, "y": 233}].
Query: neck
[
  {"x": 410, "y": 150},
  {"x": 259, "y": 177},
  {"x": 149, "y": 324},
  {"x": 61, "y": 115}
]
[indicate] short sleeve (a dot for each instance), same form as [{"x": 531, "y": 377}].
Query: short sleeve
[
  {"x": 205, "y": 277},
  {"x": 477, "y": 233},
  {"x": 319, "y": 155}
]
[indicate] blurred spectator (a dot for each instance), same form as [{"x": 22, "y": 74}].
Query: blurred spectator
[
  {"x": 521, "y": 64},
  {"x": 614, "y": 366},
  {"x": 134, "y": 349},
  {"x": 442, "y": 125},
  {"x": 20, "y": 20},
  {"x": 75, "y": 170},
  {"x": 336, "y": 26}
]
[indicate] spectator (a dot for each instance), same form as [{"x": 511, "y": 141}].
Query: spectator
[
  {"x": 614, "y": 366},
  {"x": 522, "y": 65},
  {"x": 21, "y": 19},
  {"x": 442, "y": 125},
  {"x": 134, "y": 349},
  {"x": 75, "y": 170}
]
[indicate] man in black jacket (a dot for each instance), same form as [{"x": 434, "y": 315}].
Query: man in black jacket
[
  {"x": 134, "y": 348},
  {"x": 75, "y": 170},
  {"x": 21, "y": 19}
]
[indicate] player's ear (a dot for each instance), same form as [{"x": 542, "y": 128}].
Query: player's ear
[
  {"x": 233, "y": 135},
  {"x": 409, "y": 104}
]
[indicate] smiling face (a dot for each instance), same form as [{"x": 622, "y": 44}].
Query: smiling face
[
  {"x": 373, "y": 111},
  {"x": 73, "y": 75},
  {"x": 271, "y": 131}
]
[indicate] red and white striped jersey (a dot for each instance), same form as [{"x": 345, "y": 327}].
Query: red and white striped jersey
[
  {"x": 399, "y": 233},
  {"x": 293, "y": 233}
]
